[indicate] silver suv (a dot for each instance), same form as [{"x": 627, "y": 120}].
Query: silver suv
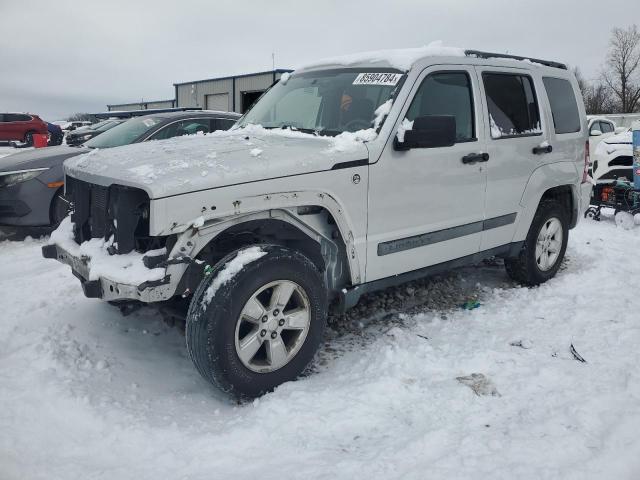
[{"x": 347, "y": 176}]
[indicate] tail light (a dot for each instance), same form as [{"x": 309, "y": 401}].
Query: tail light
[
  {"x": 608, "y": 195},
  {"x": 587, "y": 160}
]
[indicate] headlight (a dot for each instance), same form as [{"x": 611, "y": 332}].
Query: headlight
[
  {"x": 11, "y": 178},
  {"x": 86, "y": 137}
]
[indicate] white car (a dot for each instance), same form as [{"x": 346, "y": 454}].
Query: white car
[
  {"x": 347, "y": 176},
  {"x": 613, "y": 158},
  {"x": 600, "y": 128}
]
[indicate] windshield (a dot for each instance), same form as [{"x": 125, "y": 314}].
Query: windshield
[
  {"x": 327, "y": 102},
  {"x": 109, "y": 124},
  {"x": 99, "y": 125},
  {"x": 124, "y": 133}
]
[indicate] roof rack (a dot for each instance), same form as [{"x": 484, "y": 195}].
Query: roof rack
[{"x": 479, "y": 54}]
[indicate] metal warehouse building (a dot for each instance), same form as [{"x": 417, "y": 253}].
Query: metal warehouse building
[
  {"x": 141, "y": 105},
  {"x": 232, "y": 94}
]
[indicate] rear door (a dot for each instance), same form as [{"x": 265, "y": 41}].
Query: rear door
[{"x": 512, "y": 111}]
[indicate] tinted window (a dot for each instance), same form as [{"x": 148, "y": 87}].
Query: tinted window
[
  {"x": 606, "y": 127},
  {"x": 595, "y": 126},
  {"x": 124, "y": 133},
  {"x": 513, "y": 109},
  {"x": 446, "y": 94},
  {"x": 221, "y": 124},
  {"x": 184, "y": 127},
  {"x": 564, "y": 107},
  {"x": 16, "y": 117}
]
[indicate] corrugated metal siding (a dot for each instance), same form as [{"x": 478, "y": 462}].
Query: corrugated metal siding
[
  {"x": 125, "y": 107},
  {"x": 194, "y": 94},
  {"x": 160, "y": 104},
  {"x": 218, "y": 101},
  {"x": 140, "y": 106},
  {"x": 251, "y": 84}
]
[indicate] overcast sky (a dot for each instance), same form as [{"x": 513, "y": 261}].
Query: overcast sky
[{"x": 60, "y": 57}]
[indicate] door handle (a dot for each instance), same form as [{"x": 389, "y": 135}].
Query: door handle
[
  {"x": 542, "y": 149},
  {"x": 475, "y": 157}
]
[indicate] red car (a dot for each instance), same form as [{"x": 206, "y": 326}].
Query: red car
[{"x": 20, "y": 127}]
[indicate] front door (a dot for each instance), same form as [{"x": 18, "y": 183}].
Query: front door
[{"x": 426, "y": 205}]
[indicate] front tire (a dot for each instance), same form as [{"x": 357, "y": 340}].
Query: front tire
[
  {"x": 544, "y": 247},
  {"x": 257, "y": 320}
]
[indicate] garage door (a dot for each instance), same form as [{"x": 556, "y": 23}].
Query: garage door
[{"x": 218, "y": 101}]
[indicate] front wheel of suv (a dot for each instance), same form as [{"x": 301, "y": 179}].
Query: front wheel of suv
[
  {"x": 257, "y": 319},
  {"x": 544, "y": 248}
]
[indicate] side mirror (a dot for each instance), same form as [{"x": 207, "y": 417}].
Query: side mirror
[
  {"x": 595, "y": 133},
  {"x": 430, "y": 131},
  {"x": 621, "y": 129}
]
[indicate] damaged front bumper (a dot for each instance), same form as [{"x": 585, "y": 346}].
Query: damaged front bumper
[{"x": 111, "y": 290}]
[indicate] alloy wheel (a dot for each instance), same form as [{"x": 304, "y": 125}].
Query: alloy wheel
[{"x": 272, "y": 326}]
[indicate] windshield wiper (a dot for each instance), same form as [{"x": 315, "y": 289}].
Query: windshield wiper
[{"x": 293, "y": 128}]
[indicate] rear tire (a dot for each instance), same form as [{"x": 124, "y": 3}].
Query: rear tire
[
  {"x": 544, "y": 247},
  {"x": 28, "y": 139},
  {"x": 239, "y": 337}
]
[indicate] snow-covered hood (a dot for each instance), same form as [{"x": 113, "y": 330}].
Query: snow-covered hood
[
  {"x": 185, "y": 164},
  {"x": 624, "y": 137}
]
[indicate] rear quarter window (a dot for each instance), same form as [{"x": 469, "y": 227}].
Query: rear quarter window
[{"x": 564, "y": 107}]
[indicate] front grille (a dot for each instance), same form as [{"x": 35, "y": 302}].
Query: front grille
[
  {"x": 621, "y": 162},
  {"x": 97, "y": 210},
  {"x": 617, "y": 173},
  {"x": 99, "y": 206}
]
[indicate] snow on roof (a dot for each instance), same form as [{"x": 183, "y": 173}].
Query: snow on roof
[{"x": 402, "y": 59}]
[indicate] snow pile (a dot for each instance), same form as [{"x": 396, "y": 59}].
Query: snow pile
[
  {"x": 285, "y": 78},
  {"x": 404, "y": 126},
  {"x": 255, "y": 152},
  {"x": 87, "y": 393},
  {"x": 127, "y": 268},
  {"x": 381, "y": 112},
  {"x": 350, "y": 141},
  {"x": 402, "y": 59},
  {"x": 230, "y": 270}
]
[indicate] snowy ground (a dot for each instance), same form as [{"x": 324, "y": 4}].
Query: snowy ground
[
  {"x": 86, "y": 393},
  {"x": 6, "y": 150}
]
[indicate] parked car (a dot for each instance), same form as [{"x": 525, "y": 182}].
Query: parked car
[
  {"x": 82, "y": 135},
  {"x": 613, "y": 158},
  {"x": 32, "y": 183},
  {"x": 55, "y": 134},
  {"x": 70, "y": 126},
  {"x": 599, "y": 129},
  {"x": 348, "y": 176},
  {"x": 20, "y": 127}
]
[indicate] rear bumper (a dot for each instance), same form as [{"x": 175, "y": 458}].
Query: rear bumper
[{"x": 108, "y": 289}]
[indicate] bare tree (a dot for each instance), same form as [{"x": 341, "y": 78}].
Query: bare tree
[
  {"x": 583, "y": 84},
  {"x": 596, "y": 95},
  {"x": 623, "y": 60},
  {"x": 598, "y": 101}
]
